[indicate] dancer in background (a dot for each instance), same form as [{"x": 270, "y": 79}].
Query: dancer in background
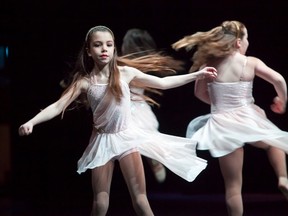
[
  {"x": 137, "y": 43},
  {"x": 104, "y": 80},
  {"x": 234, "y": 119}
]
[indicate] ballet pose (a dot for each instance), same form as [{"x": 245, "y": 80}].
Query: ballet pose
[
  {"x": 235, "y": 119},
  {"x": 103, "y": 78}
]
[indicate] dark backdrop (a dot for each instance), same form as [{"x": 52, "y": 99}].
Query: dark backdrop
[{"x": 44, "y": 38}]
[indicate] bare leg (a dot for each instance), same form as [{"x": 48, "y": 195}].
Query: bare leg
[
  {"x": 158, "y": 170},
  {"x": 101, "y": 183},
  {"x": 133, "y": 172},
  {"x": 277, "y": 159},
  {"x": 231, "y": 167}
]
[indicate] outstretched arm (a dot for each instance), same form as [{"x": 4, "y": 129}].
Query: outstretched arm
[
  {"x": 52, "y": 110},
  {"x": 172, "y": 81},
  {"x": 279, "y": 83}
]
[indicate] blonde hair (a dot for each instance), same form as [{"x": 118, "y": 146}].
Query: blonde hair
[{"x": 213, "y": 44}]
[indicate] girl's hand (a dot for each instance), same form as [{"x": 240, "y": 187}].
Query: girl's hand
[
  {"x": 25, "y": 129},
  {"x": 207, "y": 72},
  {"x": 278, "y": 106}
]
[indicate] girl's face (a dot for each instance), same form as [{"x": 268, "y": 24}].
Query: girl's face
[
  {"x": 244, "y": 42},
  {"x": 101, "y": 47}
]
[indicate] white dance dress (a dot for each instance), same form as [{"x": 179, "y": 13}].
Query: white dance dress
[
  {"x": 234, "y": 121},
  {"x": 114, "y": 134}
]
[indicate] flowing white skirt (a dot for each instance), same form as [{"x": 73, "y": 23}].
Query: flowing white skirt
[
  {"x": 223, "y": 132},
  {"x": 176, "y": 153}
]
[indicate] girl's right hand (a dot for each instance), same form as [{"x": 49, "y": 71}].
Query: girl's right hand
[
  {"x": 25, "y": 129},
  {"x": 278, "y": 106}
]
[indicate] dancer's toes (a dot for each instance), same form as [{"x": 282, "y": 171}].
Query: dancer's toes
[{"x": 283, "y": 186}]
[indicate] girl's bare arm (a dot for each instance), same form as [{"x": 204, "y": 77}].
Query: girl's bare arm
[
  {"x": 53, "y": 110},
  {"x": 172, "y": 81}
]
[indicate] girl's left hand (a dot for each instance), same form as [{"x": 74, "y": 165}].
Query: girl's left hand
[{"x": 207, "y": 72}]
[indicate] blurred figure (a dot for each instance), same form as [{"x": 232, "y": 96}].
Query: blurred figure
[{"x": 137, "y": 43}]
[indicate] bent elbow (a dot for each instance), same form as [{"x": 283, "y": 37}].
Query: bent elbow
[{"x": 279, "y": 81}]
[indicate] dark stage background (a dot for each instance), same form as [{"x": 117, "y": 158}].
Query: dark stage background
[{"x": 44, "y": 38}]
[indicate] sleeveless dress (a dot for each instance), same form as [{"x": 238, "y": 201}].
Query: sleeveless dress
[
  {"x": 234, "y": 121},
  {"x": 114, "y": 134}
]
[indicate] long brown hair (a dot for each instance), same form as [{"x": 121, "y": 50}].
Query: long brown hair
[
  {"x": 84, "y": 65},
  {"x": 216, "y": 43}
]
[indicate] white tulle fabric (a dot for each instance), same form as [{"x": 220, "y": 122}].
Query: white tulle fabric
[
  {"x": 114, "y": 133},
  {"x": 234, "y": 121}
]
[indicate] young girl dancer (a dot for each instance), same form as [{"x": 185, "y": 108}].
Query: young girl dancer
[
  {"x": 99, "y": 76},
  {"x": 235, "y": 119}
]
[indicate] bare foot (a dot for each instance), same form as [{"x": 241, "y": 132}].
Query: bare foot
[
  {"x": 283, "y": 186},
  {"x": 159, "y": 171}
]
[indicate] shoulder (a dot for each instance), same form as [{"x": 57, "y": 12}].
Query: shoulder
[
  {"x": 259, "y": 66},
  {"x": 128, "y": 69},
  {"x": 253, "y": 60},
  {"x": 128, "y": 73},
  {"x": 82, "y": 83}
]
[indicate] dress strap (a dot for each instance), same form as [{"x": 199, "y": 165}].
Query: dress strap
[
  {"x": 92, "y": 78},
  {"x": 243, "y": 69}
]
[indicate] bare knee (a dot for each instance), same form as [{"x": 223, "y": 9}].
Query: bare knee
[{"x": 100, "y": 204}]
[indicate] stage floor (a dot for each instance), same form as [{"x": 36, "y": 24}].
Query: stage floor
[{"x": 163, "y": 204}]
